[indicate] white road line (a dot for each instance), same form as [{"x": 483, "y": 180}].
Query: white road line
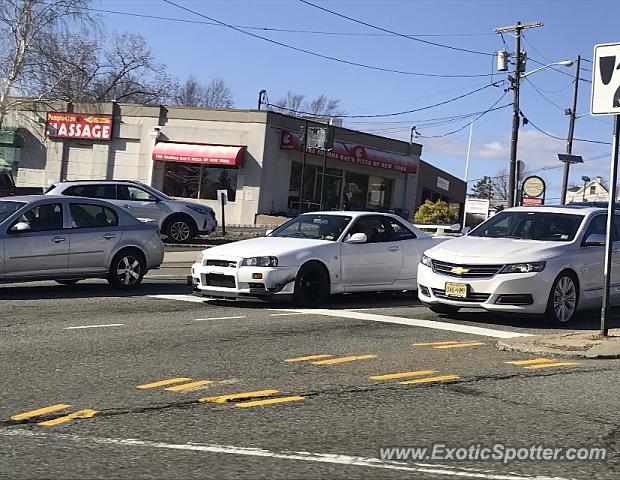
[
  {"x": 95, "y": 326},
  {"x": 218, "y": 318},
  {"x": 282, "y": 314},
  {"x": 347, "y": 460},
  {"x": 180, "y": 298},
  {"x": 413, "y": 322}
]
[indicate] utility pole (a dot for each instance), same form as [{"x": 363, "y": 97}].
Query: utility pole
[
  {"x": 303, "y": 168},
  {"x": 519, "y": 67},
  {"x": 571, "y": 130}
]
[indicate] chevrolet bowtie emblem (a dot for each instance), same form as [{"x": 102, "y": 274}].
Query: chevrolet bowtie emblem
[{"x": 459, "y": 270}]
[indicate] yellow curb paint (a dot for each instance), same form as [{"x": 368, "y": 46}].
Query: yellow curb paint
[
  {"x": 308, "y": 357},
  {"x": 161, "y": 383},
  {"x": 87, "y": 413},
  {"x": 460, "y": 345},
  {"x": 551, "y": 365},
  {"x": 439, "y": 378},
  {"x": 235, "y": 396},
  {"x": 352, "y": 358},
  {"x": 391, "y": 376},
  {"x": 533, "y": 361},
  {"x": 40, "y": 411},
  {"x": 187, "y": 386},
  {"x": 429, "y": 344},
  {"x": 270, "y": 401}
]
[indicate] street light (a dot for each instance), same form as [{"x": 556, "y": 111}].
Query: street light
[
  {"x": 515, "y": 80},
  {"x": 585, "y": 179}
]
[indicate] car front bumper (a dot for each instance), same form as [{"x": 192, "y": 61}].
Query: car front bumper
[
  {"x": 513, "y": 293},
  {"x": 236, "y": 282}
]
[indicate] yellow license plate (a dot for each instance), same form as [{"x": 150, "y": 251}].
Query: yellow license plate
[{"x": 459, "y": 290}]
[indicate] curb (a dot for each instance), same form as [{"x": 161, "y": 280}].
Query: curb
[{"x": 571, "y": 345}]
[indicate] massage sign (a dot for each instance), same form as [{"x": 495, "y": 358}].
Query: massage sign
[{"x": 86, "y": 126}]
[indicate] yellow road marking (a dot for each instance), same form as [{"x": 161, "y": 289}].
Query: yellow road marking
[
  {"x": 439, "y": 378},
  {"x": 391, "y": 376},
  {"x": 235, "y": 396},
  {"x": 557, "y": 364},
  {"x": 269, "y": 401},
  {"x": 87, "y": 413},
  {"x": 460, "y": 345},
  {"x": 187, "y": 386},
  {"x": 161, "y": 383},
  {"x": 428, "y": 344},
  {"x": 534, "y": 361},
  {"x": 308, "y": 357},
  {"x": 352, "y": 358},
  {"x": 40, "y": 411}
]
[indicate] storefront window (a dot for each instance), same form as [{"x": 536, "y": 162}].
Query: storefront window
[
  {"x": 379, "y": 193},
  {"x": 188, "y": 180},
  {"x": 355, "y": 191}
]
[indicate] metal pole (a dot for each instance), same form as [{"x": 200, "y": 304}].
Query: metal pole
[
  {"x": 323, "y": 176},
  {"x": 610, "y": 225},
  {"x": 571, "y": 131},
  {"x": 223, "y": 215},
  {"x": 515, "y": 119},
  {"x": 471, "y": 129},
  {"x": 303, "y": 168}
]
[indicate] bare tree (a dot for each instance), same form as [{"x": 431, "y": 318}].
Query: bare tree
[
  {"x": 296, "y": 104},
  {"x": 218, "y": 95},
  {"x": 25, "y": 27}
]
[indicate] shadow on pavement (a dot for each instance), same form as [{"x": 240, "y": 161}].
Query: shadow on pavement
[{"x": 88, "y": 289}]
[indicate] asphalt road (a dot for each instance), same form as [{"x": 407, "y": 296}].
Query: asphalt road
[{"x": 135, "y": 368}]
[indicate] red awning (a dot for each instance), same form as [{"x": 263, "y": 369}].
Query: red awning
[{"x": 190, "y": 153}]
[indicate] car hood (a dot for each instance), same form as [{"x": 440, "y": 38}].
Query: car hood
[
  {"x": 494, "y": 250},
  {"x": 264, "y": 246}
]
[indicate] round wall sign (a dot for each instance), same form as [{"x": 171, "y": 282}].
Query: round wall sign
[{"x": 533, "y": 187}]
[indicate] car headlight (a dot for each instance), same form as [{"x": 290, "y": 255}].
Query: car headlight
[
  {"x": 426, "y": 261},
  {"x": 260, "y": 262},
  {"x": 524, "y": 267},
  {"x": 201, "y": 210}
]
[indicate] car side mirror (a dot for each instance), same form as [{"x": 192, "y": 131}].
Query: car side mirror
[
  {"x": 269, "y": 232},
  {"x": 20, "y": 227},
  {"x": 595, "y": 240},
  {"x": 357, "y": 238}
]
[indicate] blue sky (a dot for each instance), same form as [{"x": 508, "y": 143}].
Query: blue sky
[{"x": 249, "y": 64}]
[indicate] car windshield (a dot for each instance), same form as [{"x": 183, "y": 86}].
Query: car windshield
[
  {"x": 9, "y": 208},
  {"x": 317, "y": 227},
  {"x": 546, "y": 226}
]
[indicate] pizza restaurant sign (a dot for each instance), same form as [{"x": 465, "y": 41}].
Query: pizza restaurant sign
[
  {"x": 88, "y": 126},
  {"x": 358, "y": 154}
]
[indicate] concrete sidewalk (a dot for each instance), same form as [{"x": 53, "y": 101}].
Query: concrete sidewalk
[{"x": 588, "y": 344}]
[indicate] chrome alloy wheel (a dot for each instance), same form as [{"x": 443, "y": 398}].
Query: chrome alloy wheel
[
  {"x": 129, "y": 270},
  {"x": 564, "y": 299},
  {"x": 180, "y": 231}
]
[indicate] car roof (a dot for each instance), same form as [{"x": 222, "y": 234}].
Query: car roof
[
  {"x": 348, "y": 213},
  {"x": 90, "y": 181},
  {"x": 567, "y": 209}
]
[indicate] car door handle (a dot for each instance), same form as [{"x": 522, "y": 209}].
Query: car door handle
[
  {"x": 125, "y": 206},
  {"x": 58, "y": 239},
  {"x": 393, "y": 249},
  {"x": 109, "y": 236}
]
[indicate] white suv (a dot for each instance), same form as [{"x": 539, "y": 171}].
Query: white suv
[
  {"x": 539, "y": 260},
  {"x": 178, "y": 220}
]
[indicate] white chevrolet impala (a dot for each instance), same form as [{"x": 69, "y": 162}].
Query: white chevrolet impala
[{"x": 314, "y": 255}]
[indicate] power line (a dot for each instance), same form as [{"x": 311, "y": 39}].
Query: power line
[
  {"x": 529, "y": 122},
  {"x": 398, "y": 34},
  {"x": 544, "y": 96},
  {"x": 320, "y": 55},
  {"x": 283, "y": 30},
  {"x": 393, "y": 114}
]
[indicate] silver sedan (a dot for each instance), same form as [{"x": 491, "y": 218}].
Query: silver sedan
[{"x": 68, "y": 239}]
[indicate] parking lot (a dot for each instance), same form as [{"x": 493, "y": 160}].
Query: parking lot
[{"x": 160, "y": 384}]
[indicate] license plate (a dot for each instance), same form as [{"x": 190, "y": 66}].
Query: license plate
[{"x": 459, "y": 290}]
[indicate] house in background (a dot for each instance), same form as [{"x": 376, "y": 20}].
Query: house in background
[{"x": 594, "y": 190}]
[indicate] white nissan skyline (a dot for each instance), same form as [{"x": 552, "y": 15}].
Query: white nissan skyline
[
  {"x": 314, "y": 255},
  {"x": 538, "y": 260}
]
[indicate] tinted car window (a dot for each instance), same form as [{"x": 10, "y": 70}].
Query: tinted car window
[
  {"x": 318, "y": 227},
  {"x": 399, "y": 231},
  {"x": 92, "y": 191},
  {"x": 84, "y": 215},
  {"x": 598, "y": 225},
  {"x": 129, "y": 192},
  {"x": 9, "y": 208},
  {"x": 375, "y": 229},
  {"x": 44, "y": 217}
]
